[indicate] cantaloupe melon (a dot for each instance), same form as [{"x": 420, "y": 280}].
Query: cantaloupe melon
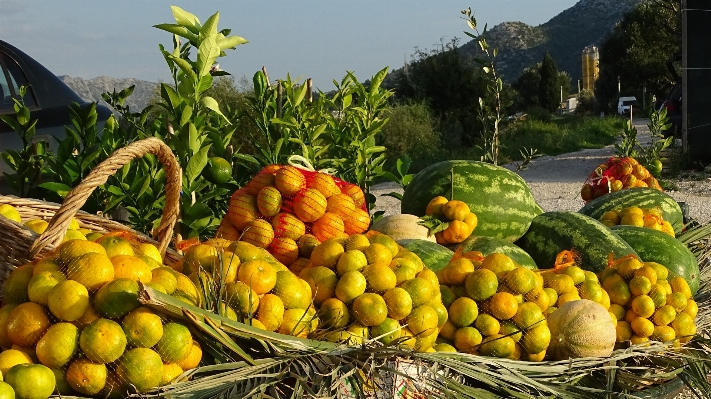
[
  {"x": 402, "y": 227},
  {"x": 581, "y": 329}
]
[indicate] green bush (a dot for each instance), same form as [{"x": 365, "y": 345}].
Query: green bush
[
  {"x": 410, "y": 131},
  {"x": 539, "y": 114}
]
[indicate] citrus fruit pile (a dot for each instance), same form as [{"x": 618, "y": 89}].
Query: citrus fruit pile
[
  {"x": 366, "y": 286},
  {"x": 284, "y": 207},
  {"x": 453, "y": 221},
  {"x": 635, "y": 216},
  {"x": 76, "y": 312},
  {"x": 38, "y": 226},
  {"x": 567, "y": 282},
  {"x": 258, "y": 289},
  {"x": 615, "y": 175},
  {"x": 646, "y": 305},
  {"x": 496, "y": 308}
]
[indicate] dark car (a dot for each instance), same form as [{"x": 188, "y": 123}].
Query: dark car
[{"x": 47, "y": 97}]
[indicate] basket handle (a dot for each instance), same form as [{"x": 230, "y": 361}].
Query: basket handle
[{"x": 76, "y": 198}]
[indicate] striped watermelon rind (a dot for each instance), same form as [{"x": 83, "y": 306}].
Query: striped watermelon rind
[
  {"x": 503, "y": 203},
  {"x": 433, "y": 255},
  {"x": 641, "y": 197},
  {"x": 489, "y": 245},
  {"x": 553, "y": 232},
  {"x": 656, "y": 246}
]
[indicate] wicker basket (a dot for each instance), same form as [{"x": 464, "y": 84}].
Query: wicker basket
[{"x": 19, "y": 245}]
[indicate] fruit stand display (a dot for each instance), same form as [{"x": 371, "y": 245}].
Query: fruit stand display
[{"x": 295, "y": 296}]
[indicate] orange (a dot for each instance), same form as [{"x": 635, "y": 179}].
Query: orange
[
  {"x": 133, "y": 268},
  {"x": 528, "y": 315},
  {"x": 309, "y": 205},
  {"x": 296, "y": 322},
  {"x": 378, "y": 254},
  {"x": 75, "y": 248},
  {"x": 115, "y": 245},
  {"x": 30, "y": 381},
  {"x": 89, "y": 316},
  {"x": 456, "y": 232},
  {"x": 175, "y": 344},
  {"x": 632, "y": 219},
  {"x": 472, "y": 221},
  {"x": 142, "y": 327},
  {"x": 624, "y": 331},
  {"x": 307, "y": 243},
  {"x": 241, "y": 298},
  {"x": 503, "y": 305},
  {"x": 356, "y": 221},
  {"x": 351, "y": 285},
  {"x": 227, "y": 231},
  {"x": 197, "y": 257},
  {"x": 487, "y": 324},
  {"x": 467, "y": 339},
  {"x": 455, "y": 210},
  {"x": 422, "y": 321},
  {"x": 4, "y": 315},
  {"x": 334, "y": 314},
  {"x": 242, "y": 210},
  {"x": 463, "y": 311},
  {"x": 258, "y": 233},
  {"x": 289, "y": 180},
  {"x": 324, "y": 184},
  {"x": 168, "y": 279},
  {"x": 293, "y": 291},
  {"x": 434, "y": 207},
  {"x": 92, "y": 270},
  {"x": 370, "y": 310},
  {"x": 398, "y": 302},
  {"x": 497, "y": 346},
  {"x": 41, "y": 284},
  {"x": 404, "y": 269},
  {"x": 141, "y": 367},
  {"x": 26, "y": 324},
  {"x": 288, "y": 225},
  {"x": 642, "y": 327},
  {"x": 103, "y": 341},
  {"x": 664, "y": 315},
  {"x": 481, "y": 284},
  {"x": 68, "y": 300},
  {"x": 322, "y": 281},
  {"x": 680, "y": 285},
  {"x": 328, "y": 254},
  {"x": 356, "y": 193},
  {"x": 171, "y": 371},
  {"x": 520, "y": 280},
  {"x": 420, "y": 290},
  {"x": 117, "y": 298},
  {"x": 15, "y": 289},
  {"x": 643, "y": 305},
  {"x": 380, "y": 278},
  {"x": 351, "y": 260},
  {"x": 284, "y": 249},
  {"x": 678, "y": 301},
  {"x": 640, "y": 285},
  {"x": 299, "y": 264},
  {"x": 378, "y": 238},
  {"x": 257, "y": 274},
  {"x": 193, "y": 359},
  {"x": 692, "y": 308},
  {"x": 269, "y": 201},
  {"x": 328, "y": 226},
  {"x": 388, "y": 331},
  {"x": 12, "y": 357},
  {"x": 86, "y": 377},
  {"x": 46, "y": 265},
  {"x": 498, "y": 263},
  {"x": 270, "y": 311},
  {"x": 261, "y": 180},
  {"x": 628, "y": 267},
  {"x": 340, "y": 204}
]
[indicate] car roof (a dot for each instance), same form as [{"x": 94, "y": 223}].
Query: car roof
[
  {"x": 50, "y": 91},
  {"x": 628, "y": 98}
]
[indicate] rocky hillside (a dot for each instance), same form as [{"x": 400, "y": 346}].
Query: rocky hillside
[
  {"x": 564, "y": 36},
  {"x": 91, "y": 89}
]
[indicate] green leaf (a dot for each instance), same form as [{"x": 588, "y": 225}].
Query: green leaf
[
  {"x": 377, "y": 80},
  {"x": 212, "y": 104},
  {"x": 231, "y": 42},
  {"x": 210, "y": 26},
  {"x": 433, "y": 224},
  {"x": 205, "y": 83},
  {"x": 393, "y": 194},
  {"x": 61, "y": 189},
  {"x": 89, "y": 159},
  {"x": 144, "y": 188},
  {"x": 196, "y": 164},
  {"x": 186, "y": 68},
  {"x": 185, "y": 19},
  {"x": 170, "y": 96},
  {"x": 177, "y": 30},
  {"x": 375, "y": 149},
  {"x": 207, "y": 54},
  {"x": 186, "y": 115},
  {"x": 300, "y": 95}
]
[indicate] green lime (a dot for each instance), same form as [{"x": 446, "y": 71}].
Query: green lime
[
  {"x": 655, "y": 167},
  {"x": 217, "y": 170}
]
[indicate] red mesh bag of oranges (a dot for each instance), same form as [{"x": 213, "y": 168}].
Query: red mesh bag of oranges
[
  {"x": 285, "y": 208},
  {"x": 617, "y": 174}
]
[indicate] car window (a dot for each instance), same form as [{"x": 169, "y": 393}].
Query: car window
[
  {"x": 10, "y": 81},
  {"x": 629, "y": 102}
]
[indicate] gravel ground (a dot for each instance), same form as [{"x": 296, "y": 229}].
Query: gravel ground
[{"x": 556, "y": 182}]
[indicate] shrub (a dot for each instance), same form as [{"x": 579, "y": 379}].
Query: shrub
[
  {"x": 586, "y": 103},
  {"x": 539, "y": 114},
  {"x": 410, "y": 131}
]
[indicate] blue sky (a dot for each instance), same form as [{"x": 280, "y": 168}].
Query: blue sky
[{"x": 307, "y": 38}]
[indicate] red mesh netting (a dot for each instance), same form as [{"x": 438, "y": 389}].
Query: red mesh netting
[
  {"x": 285, "y": 208},
  {"x": 615, "y": 175}
]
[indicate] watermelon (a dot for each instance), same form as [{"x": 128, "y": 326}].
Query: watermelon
[
  {"x": 553, "y": 232},
  {"x": 433, "y": 255},
  {"x": 489, "y": 245},
  {"x": 656, "y": 246},
  {"x": 641, "y": 197},
  {"x": 501, "y": 200}
]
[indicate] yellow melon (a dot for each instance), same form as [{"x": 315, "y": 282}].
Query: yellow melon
[{"x": 581, "y": 328}]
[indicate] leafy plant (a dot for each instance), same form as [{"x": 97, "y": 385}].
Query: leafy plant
[
  {"x": 402, "y": 166},
  {"x": 494, "y": 87},
  {"x": 658, "y": 122},
  {"x": 30, "y": 161},
  {"x": 627, "y": 147}
]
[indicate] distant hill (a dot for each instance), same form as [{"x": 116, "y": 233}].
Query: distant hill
[
  {"x": 563, "y": 36},
  {"x": 91, "y": 89}
]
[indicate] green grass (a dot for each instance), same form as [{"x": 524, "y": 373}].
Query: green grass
[{"x": 560, "y": 135}]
